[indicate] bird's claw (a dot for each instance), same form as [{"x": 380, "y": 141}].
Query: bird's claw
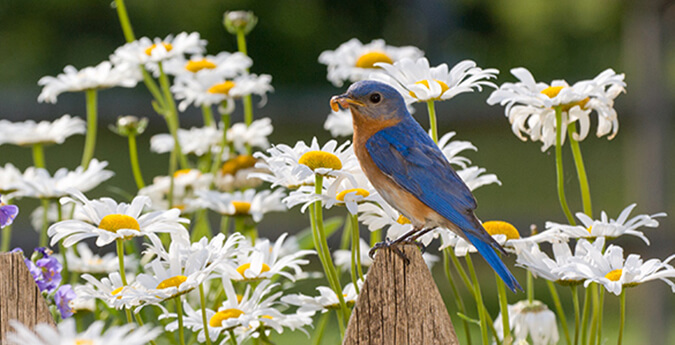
[{"x": 393, "y": 245}]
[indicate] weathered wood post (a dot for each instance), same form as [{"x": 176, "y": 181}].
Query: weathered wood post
[
  {"x": 400, "y": 304},
  {"x": 20, "y": 298}
]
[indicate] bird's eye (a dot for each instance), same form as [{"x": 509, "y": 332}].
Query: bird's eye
[{"x": 375, "y": 98}]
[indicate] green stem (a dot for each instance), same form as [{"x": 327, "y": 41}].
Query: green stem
[
  {"x": 321, "y": 328},
  {"x": 600, "y": 312},
  {"x": 181, "y": 329},
  {"x": 6, "y": 238},
  {"x": 224, "y": 224},
  {"x": 559, "y": 310},
  {"x": 92, "y": 127},
  {"x": 65, "y": 272},
  {"x": 139, "y": 321},
  {"x": 233, "y": 337},
  {"x": 44, "y": 238},
  {"x": 431, "y": 107},
  {"x": 460, "y": 269},
  {"x": 154, "y": 89},
  {"x": 581, "y": 171},
  {"x": 225, "y": 120},
  {"x": 241, "y": 42},
  {"x": 504, "y": 308},
  {"x": 479, "y": 301},
  {"x": 459, "y": 302},
  {"x": 622, "y": 315},
  {"x": 120, "y": 258},
  {"x": 530, "y": 287},
  {"x": 171, "y": 115},
  {"x": 594, "y": 317},
  {"x": 357, "y": 244},
  {"x": 375, "y": 237},
  {"x": 346, "y": 238},
  {"x": 124, "y": 21},
  {"x": 39, "y": 155},
  {"x": 584, "y": 316},
  {"x": 202, "y": 300},
  {"x": 207, "y": 114},
  {"x": 135, "y": 167},
  {"x": 575, "y": 300},
  {"x": 559, "y": 165},
  {"x": 173, "y": 166}
]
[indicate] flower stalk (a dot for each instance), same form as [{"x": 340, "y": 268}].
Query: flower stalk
[
  {"x": 459, "y": 302},
  {"x": 503, "y": 307},
  {"x": 202, "y": 302},
  {"x": 92, "y": 127},
  {"x": 559, "y": 165},
  {"x": 431, "y": 107},
  {"x": 622, "y": 315},
  {"x": 581, "y": 171},
  {"x": 479, "y": 301},
  {"x": 559, "y": 310}
]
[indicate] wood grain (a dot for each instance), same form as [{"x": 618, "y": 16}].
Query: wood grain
[
  {"x": 20, "y": 298},
  {"x": 400, "y": 304}
]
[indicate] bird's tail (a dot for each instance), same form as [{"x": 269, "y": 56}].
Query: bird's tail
[{"x": 486, "y": 250}]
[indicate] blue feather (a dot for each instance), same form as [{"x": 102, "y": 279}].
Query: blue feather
[{"x": 495, "y": 261}]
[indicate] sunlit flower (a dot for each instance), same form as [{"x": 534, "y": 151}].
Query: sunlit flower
[
  {"x": 185, "y": 183},
  {"x": 325, "y": 301},
  {"x": 353, "y": 61},
  {"x": 144, "y": 50},
  {"x": 530, "y": 106},
  {"x": 196, "y": 140},
  {"x": 66, "y": 333},
  {"x": 246, "y": 203},
  {"x": 102, "y": 76},
  {"x": 38, "y": 183},
  {"x": 108, "y": 220},
  {"x": 606, "y": 227},
  {"x": 212, "y": 89},
  {"x": 529, "y": 319},
  {"x": 29, "y": 132},
  {"x": 224, "y": 64},
  {"x": 417, "y": 82},
  {"x": 254, "y": 135},
  {"x": 85, "y": 261}
]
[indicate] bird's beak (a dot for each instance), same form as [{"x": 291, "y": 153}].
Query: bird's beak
[{"x": 343, "y": 101}]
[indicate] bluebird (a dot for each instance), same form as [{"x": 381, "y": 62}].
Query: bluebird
[{"x": 411, "y": 173}]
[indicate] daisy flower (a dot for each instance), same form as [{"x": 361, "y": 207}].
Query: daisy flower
[
  {"x": 325, "y": 301},
  {"x": 225, "y": 64},
  {"x": 246, "y": 203},
  {"x": 254, "y": 135},
  {"x": 29, "y": 132},
  {"x": 236, "y": 173},
  {"x": 606, "y": 227},
  {"x": 347, "y": 190},
  {"x": 353, "y": 61},
  {"x": 343, "y": 257},
  {"x": 264, "y": 261},
  {"x": 198, "y": 141},
  {"x": 108, "y": 220},
  {"x": 10, "y": 180},
  {"x": 417, "y": 82},
  {"x": 111, "y": 291},
  {"x": 144, "y": 50},
  {"x": 38, "y": 183},
  {"x": 210, "y": 89},
  {"x": 530, "y": 257},
  {"x": 339, "y": 123},
  {"x": 66, "y": 333},
  {"x": 530, "y": 319},
  {"x": 503, "y": 233},
  {"x": 102, "y": 76},
  {"x": 185, "y": 183},
  {"x": 530, "y": 106},
  {"x": 85, "y": 261},
  {"x": 473, "y": 176}
]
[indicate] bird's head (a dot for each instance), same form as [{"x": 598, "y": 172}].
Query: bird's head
[{"x": 373, "y": 100}]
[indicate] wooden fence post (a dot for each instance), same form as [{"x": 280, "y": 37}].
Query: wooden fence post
[
  {"x": 20, "y": 298},
  {"x": 400, "y": 304}
]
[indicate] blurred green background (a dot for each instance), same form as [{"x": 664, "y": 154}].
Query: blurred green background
[{"x": 575, "y": 39}]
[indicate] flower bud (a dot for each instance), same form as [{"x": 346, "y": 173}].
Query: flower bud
[
  {"x": 235, "y": 21},
  {"x": 130, "y": 125}
]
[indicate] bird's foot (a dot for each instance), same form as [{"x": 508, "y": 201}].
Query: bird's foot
[{"x": 393, "y": 245}]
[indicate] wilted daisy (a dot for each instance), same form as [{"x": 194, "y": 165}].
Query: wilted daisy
[
  {"x": 417, "y": 82},
  {"x": 246, "y": 203},
  {"x": 185, "y": 183},
  {"x": 265, "y": 260},
  {"x": 102, "y": 76},
  {"x": 353, "y": 61},
  {"x": 29, "y": 132},
  {"x": 108, "y": 220},
  {"x": 145, "y": 50},
  {"x": 325, "y": 301},
  {"x": 253, "y": 135},
  {"x": 38, "y": 183},
  {"x": 66, "y": 333},
  {"x": 530, "y": 106},
  {"x": 225, "y": 64},
  {"x": 85, "y": 261},
  {"x": 606, "y": 227},
  {"x": 196, "y": 140},
  {"x": 533, "y": 320},
  {"x": 212, "y": 89}
]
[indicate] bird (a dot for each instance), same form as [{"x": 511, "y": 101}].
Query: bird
[{"x": 410, "y": 172}]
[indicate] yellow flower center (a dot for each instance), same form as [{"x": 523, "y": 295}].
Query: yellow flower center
[
  {"x": 241, "y": 207},
  {"x": 320, "y": 159},
  {"x": 368, "y": 60},
  {"x": 195, "y": 66},
  {"x": 182, "y": 172},
  {"x": 84, "y": 342},
  {"x": 266, "y": 317},
  {"x": 219, "y": 317},
  {"x": 114, "y": 222},
  {"x": 95, "y": 262},
  {"x": 239, "y": 298},
  {"x": 498, "y": 227},
  {"x": 553, "y": 91},
  {"x": 614, "y": 275},
  {"x": 223, "y": 87},
  {"x": 238, "y": 163},
  {"x": 246, "y": 266},
  {"x": 403, "y": 220},
  {"x": 116, "y": 291},
  {"x": 174, "y": 281},
  {"x": 359, "y": 191},
  {"x": 167, "y": 46},
  {"x": 589, "y": 229},
  {"x": 444, "y": 87}
]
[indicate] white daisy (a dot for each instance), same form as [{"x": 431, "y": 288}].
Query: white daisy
[
  {"x": 185, "y": 183},
  {"x": 353, "y": 61},
  {"x": 530, "y": 319},
  {"x": 606, "y": 227},
  {"x": 112, "y": 291},
  {"x": 339, "y": 123},
  {"x": 417, "y": 82},
  {"x": 530, "y": 106},
  {"x": 225, "y": 64},
  {"x": 212, "y": 89},
  {"x": 254, "y": 135},
  {"x": 66, "y": 333},
  {"x": 246, "y": 203},
  {"x": 503, "y": 233},
  {"x": 102, "y": 76},
  {"x": 325, "y": 301},
  {"x": 10, "y": 180},
  {"x": 196, "y": 140},
  {"x": 108, "y": 220},
  {"x": 347, "y": 190},
  {"x": 236, "y": 173},
  {"x": 343, "y": 257},
  {"x": 29, "y": 132},
  {"x": 38, "y": 214},
  {"x": 85, "y": 261},
  {"x": 38, "y": 183},
  {"x": 530, "y": 257},
  {"x": 145, "y": 50}
]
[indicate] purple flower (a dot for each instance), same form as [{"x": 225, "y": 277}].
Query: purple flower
[
  {"x": 34, "y": 270},
  {"x": 62, "y": 299},
  {"x": 50, "y": 272},
  {"x": 7, "y": 214}
]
